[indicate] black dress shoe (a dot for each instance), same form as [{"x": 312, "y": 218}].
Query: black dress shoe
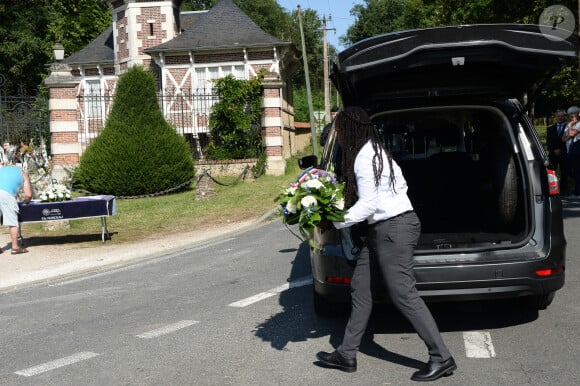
[
  {"x": 337, "y": 361},
  {"x": 435, "y": 370}
]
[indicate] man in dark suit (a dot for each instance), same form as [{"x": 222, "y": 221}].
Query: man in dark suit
[
  {"x": 328, "y": 126},
  {"x": 557, "y": 149}
]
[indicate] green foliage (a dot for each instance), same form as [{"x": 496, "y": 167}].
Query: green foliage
[
  {"x": 376, "y": 17},
  {"x": 235, "y": 119},
  {"x": 29, "y": 29},
  {"x": 311, "y": 26},
  {"x": 76, "y": 23},
  {"x": 261, "y": 165},
  {"x": 198, "y": 5},
  {"x": 138, "y": 152},
  {"x": 452, "y": 12},
  {"x": 300, "y": 99},
  {"x": 561, "y": 93},
  {"x": 301, "y": 113}
]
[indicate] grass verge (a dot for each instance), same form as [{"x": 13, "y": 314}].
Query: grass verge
[{"x": 143, "y": 218}]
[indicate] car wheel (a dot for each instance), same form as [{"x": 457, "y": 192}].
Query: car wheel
[
  {"x": 501, "y": 175},
  {"x": 507, "y": 196},
  {"x": 540, "y": 302},
  {"x": 326, "y": 308}
]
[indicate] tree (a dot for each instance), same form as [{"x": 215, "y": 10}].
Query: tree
[
  {"x": 138, "y": 152},
  {"x": 377, "y": 17},
  {"x": 301, "y": 113},
  {"x": 75, "y": 23},
  {"x": 382, "y": 16},
  {"x": 452, "y": 12},
  {"x": 198, "y": 5},
  {"x": 311, "y": 26},
  {"x": 234, "y": 120},
  {"x": 268, "y": 15},
  {"x": 29, "y": 29}
]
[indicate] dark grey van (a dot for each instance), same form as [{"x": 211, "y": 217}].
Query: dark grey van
[{"x": 447, "y": 103}]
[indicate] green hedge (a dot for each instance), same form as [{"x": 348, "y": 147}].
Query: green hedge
[{"x": 138, "y": 152}]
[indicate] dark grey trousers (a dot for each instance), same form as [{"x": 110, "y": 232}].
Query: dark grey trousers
[{"x": 391, "y": 243}]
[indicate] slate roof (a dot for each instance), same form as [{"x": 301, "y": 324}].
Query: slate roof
[
  {"x": 99, "y": 51},
  {"x": 224, "y": 26}
]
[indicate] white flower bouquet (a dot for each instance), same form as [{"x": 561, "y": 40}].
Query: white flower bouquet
[
  {"x": 315, "y": 197},
  {"x": 55, "y": 192}
]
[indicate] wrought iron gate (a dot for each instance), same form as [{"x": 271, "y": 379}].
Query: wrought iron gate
[{"x": 24, "y": 119}]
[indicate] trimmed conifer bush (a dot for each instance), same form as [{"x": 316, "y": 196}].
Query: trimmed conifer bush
[{"x": 138, "y": 152}]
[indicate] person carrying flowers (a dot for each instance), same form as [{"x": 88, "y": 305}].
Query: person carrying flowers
[{"x": 376, "y": 191}]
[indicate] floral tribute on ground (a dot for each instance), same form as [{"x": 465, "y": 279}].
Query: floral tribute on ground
[{"x": 315, "y": 197}]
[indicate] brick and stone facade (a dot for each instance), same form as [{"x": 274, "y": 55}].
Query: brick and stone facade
[{"x": 150, "y": 33}]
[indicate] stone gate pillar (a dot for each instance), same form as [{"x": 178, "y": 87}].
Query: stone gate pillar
[
  {"x": 272, "y": 124},
  {"x": 64, "y": 126}
]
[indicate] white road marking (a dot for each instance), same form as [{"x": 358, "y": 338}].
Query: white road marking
[
  {"x": 478, "y": 344},
  {"x": 167, "y": 329},
  {"x": 274, "y": 291},
  {"x": 48, "y": 366}
]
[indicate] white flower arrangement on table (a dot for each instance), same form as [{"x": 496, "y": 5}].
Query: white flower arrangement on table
[
  {"x": 315, "y": 197},
  {"x": 54, "y": 193}
]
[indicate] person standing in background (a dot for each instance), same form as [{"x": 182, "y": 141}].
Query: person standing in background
[
  {"x": 572, "y": 141},
  {"x": 557, "y": 152},
  {"x": 12, "y": 178},
  {"x": 328, "y": 126}
]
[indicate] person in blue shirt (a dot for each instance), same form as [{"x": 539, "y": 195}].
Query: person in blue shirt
[
  {"x": 376, "y": 192},
  {"x": 12, "y": 178}
]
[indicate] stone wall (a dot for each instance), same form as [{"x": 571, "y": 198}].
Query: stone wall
[{"x": 233, "y": 168}]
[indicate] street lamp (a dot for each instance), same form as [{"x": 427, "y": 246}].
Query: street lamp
[{"x": 58, "y": 51}]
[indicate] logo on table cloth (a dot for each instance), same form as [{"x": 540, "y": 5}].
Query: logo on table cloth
[{"x": 51, "y": 214}]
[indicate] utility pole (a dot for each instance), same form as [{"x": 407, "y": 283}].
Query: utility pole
[
  {"x": 308, "y": 91},
  {"x": 327, "y": 116}
]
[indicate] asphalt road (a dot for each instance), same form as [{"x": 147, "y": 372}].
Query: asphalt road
[{"x": 238, "y": 311}]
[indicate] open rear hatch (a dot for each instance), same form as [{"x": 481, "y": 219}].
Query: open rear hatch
[
  {"x": 436, "y": 97},
  {"x": 495, "y": 60}
]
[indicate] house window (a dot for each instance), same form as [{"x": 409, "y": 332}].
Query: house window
[
  {"x": 93, "y": 99},
  {"x": 239, "y": 72},
  {"x": 206, "y": 75}
]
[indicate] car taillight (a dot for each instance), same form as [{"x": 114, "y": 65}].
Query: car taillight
[
  {"x": 338, "y": 279},
  {"x": 553, "y": 185},
  {"x": 549, "y": 271}
]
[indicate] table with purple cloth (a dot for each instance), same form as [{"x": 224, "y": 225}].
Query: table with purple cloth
[{"x": 77, "y": 208}]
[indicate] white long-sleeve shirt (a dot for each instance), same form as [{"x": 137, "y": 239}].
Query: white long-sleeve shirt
[{"x": 376, "y": 203}]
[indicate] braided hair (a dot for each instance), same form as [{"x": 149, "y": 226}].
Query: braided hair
[{"x": 354, "y": 130}]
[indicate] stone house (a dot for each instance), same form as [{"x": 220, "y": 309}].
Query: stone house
[{"x": 186, "y": 50}]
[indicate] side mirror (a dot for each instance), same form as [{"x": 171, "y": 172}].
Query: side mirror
[{"x": 308, "y": 161}]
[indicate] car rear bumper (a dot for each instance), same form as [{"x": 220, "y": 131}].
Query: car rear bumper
[
  {"x": 340, "y": 293},
  {"x": 476, "y": 282}
]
